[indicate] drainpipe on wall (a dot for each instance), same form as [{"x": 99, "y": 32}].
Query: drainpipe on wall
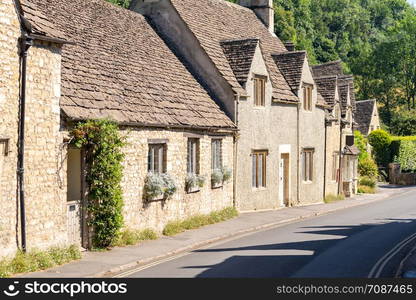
[
  {"x": 298, "y": 154},
  {"x": 235, "y": 136},
  {"x": 24, "y": 43},
  {"x": 325, "y": 153},
  {"x": 340, "y": 156}
]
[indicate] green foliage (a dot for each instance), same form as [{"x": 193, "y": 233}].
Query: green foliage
[
  {"x": 217, "y": 177},
  {"x": 361, "y": 143},
  {"x": 159, "y": 186},
  {"x": 227, "y": 173},
  {"x": 132, "y": 237},
  {"x": 103, "y": 145},
  {"x": 363, "y": 189},
  {"x": 404, "y": 153},
  {"x": 368, "y": 181},
  {"x": 122, "y": 3},
  {"x": 178, "y": 226},
  {"x": 194, "y": 181},
  {"x": 36, "y": 260},
  {"x": 380, "y": 140},
  {"x": 403, "y": 123},
  {"x": 367, "y": 167},
  {"x": 333, "y": 198}
]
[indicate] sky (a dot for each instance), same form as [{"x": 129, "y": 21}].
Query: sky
[{"x": 412, "y": 1}]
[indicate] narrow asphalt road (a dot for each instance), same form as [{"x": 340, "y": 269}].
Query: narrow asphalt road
[{"x": 347, "y": 243}]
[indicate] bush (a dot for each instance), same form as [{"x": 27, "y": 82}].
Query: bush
[
  {"x": 158, "y": 185},
  {"x": 176, "y": 227},
  {"x": 133, "y": 237},
  {"x": 368, "y": 181},
  {"x": 403, "y": 123},
  {"x": 333, "y": 198},
  {"x": 367, "y": 167},
  {"x": 361, "y": 143},
  {"x": 380, "y": 140},
  {"x": 36, "y": 260},
  {"x": 363, "y": 189},
  {"x": 404, "y": 152}
]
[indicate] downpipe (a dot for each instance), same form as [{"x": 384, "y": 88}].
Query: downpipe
[{"x": 24, "y": 44}]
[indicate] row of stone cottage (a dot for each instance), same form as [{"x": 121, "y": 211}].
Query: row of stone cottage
[{"x": 195, "y": 86}]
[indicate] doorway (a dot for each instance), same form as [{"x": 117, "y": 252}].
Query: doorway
[
  {"x": 284, "y": 179},
  {"x": 75, "y": 196}
]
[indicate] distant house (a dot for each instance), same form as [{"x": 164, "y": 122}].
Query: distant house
[
  {"x": 367, "y": 116},
  {"x": 341, "y": 153}
]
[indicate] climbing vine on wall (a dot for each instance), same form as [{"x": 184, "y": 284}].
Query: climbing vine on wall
[{"x": 102, "y": 143}]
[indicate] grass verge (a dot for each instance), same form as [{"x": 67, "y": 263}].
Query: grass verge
[
  {"x": 133, "y": 237},
  {"x": 333, "y": 198},
  {"x": 175, "y": 227},
  {"x": 364, "y": 189},
  {"x": 36, "y": 260}
]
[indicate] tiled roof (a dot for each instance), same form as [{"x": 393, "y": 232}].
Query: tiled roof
[
  {"x": 39, "y": 24},
  {"x": 364, "y": 114},
  {"x": 343, "y": 96},
  {"x": 351, "y": 150},
  {"x": 326, "y": 87},
  {"x": 291, "y": 66},
  {"x": 119, "y": 68},
  {"x": 213, "y": 21},
  {"x": 240, "y": 54},
  {"x": 327, "y": 69}
]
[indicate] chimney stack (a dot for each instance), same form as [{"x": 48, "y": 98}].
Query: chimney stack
[
  {"x": 290, "y": 46},
  {"x": 263, "y": 10}
]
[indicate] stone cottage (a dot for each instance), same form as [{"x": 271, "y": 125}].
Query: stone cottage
[
  {"x": 341, "y": 173},
  {"x": 367, "y": 117},
  {"x": 234, "y": 53},
  {"x": 86, "y": 60}
]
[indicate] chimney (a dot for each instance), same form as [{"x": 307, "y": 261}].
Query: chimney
[
  {"x": 290, "y": 46},
  {"x": 263, "y": 10}
]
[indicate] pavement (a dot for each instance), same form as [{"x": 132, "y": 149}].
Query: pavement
[{"x": 119, "y": 259}]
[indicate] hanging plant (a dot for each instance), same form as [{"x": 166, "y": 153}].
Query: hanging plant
[
  {"x": 194, "y": 182},
  {"x": 102, "y": 143},
  {"x": 159, "y": 186}
]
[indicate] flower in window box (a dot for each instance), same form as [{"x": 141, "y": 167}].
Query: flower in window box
[
  {"x": 194, "y": 182},
  {"x": 159, "y": 186},
  {"x": 226, "y": 174},
  {"x": 169, "y": 185},
  {"x": 217, "y": 178}
]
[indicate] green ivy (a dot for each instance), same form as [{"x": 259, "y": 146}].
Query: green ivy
[
  {"x": 103, "y": 145},
  {"x": 404, "y": 152}
]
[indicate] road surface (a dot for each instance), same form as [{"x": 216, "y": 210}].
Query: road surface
[{"x": 349, "y": 243}]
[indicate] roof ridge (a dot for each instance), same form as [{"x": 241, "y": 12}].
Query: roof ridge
[
  {"x": 239, "y": 40},
  {"x": 290, "y": 52},
  {"x": 328, "y": 63},
  {"x": 368, "y": 100}
]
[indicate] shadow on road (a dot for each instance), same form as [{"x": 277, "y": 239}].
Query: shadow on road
[{"x": 296, "y": 255}]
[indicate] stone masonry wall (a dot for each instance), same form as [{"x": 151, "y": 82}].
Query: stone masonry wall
[
  {"x": 140, "y": 214},
  {"x": 9, "y": 102}
]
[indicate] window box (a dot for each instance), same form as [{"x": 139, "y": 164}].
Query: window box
[
  {"x": 194, "y": 183},
  {"x": 158, "y": 187}
]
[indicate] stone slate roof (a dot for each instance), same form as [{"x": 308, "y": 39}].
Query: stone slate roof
[
  {"x": 326, "y": 87},
  {"x": 343, "y": 96},
  {"x": 38, "y": 22},
  {"x": 364, "y": 115},
  {"x": 291, "y": 66},
  {"x": 119, "y": 68},
  {"x": 351, "y": 150},
  {"x": 329, "y": 68},
  {"x": 213, "y": 21},
  {"x": 240, "y": 54}
]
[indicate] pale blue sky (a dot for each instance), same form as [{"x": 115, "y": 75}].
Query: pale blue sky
[{"x": 412, "y": 1}]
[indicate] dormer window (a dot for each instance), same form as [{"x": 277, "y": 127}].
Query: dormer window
[
  {"x": 260, "y": 90},
  {"x": 307, "y": 96}
]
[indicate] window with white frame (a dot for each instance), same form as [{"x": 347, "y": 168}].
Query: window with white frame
[
  {"x": 157, "y": 158},
  {"x": 193, "y": 156}
]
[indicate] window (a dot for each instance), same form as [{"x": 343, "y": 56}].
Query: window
[
  {"x": 260, "y": 90},
  {"x": 259, "y": 168},
  {"x": 157, "y": 158},
  {"x": 193, "y": 156},
  {"x": 307, "y": 97},
  {"x": 307, "y": 164},
  {"x": 216, "y": 151},
  {"x": 335, "y": 162}
]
